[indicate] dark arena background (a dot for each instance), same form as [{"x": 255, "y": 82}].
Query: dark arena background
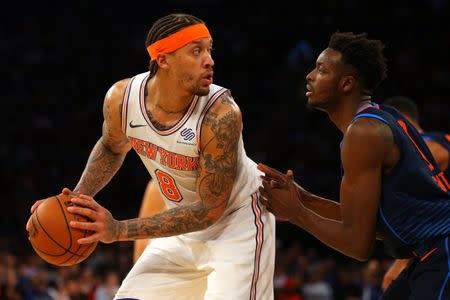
[{"x": 59, "y": 58}]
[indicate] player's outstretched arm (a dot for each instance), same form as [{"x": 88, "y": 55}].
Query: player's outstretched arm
[
  {"x": 365, "y": 146},
  {"x": 220, "y": 136},
  {"x": 109, "y": 152}
]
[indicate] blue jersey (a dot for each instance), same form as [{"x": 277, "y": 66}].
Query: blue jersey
[
  {"x": 414, "y": 207},
  {"x": 442, "y": 139}
]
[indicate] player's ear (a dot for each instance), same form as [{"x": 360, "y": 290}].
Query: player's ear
[
  {"x": 161, "y": 60},
  {"x": 348, "y": 83}
]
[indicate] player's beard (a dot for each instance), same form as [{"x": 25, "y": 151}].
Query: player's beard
[{"x": 200, "y": 90}]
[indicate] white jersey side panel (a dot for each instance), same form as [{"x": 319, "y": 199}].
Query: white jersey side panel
[{"x": 172, "y": 156}]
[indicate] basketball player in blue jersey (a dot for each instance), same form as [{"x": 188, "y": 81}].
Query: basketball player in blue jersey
[
  {"x": 439, "y": 145},
  {"x": 211, "y": 239},
  {"x": 391, "y": 187}
]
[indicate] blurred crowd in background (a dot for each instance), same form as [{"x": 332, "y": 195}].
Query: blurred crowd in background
[{"x": 59, "y": 61}]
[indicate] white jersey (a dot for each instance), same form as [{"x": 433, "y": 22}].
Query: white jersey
[{"x": 172, "y": 155}]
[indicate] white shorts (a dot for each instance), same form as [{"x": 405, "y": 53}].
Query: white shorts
[{"x": 235, "y": 261}]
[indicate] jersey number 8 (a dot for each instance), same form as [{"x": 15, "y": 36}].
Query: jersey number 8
[{"x": 168, "y": 186}]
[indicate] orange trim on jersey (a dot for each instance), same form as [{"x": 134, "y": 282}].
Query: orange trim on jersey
[
  {"x": 180, "y": 122},
  {"x": 405, "y": 129},
  {"x": 210, "y": 103},
  {"x": 447, "y": 137},
  {"x": 259, "y": 242},
  {"x": 427, "y": 254},
  {"x": 178, "y": 39},
  {"x": 126, "y": 96}
]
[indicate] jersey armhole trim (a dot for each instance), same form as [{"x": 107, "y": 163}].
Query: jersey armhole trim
[
  {"x": 124, "y": 106},
  {"x": 209, "y": 104}
]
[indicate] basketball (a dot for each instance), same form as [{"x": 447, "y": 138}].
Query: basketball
[{"x": 51, "y": 236}]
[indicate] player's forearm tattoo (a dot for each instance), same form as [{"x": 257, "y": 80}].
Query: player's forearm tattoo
[
  {"x": 100, "y": 168},
  {"x": 217, "y": 173},
  {"x": 174, "y": 221}
]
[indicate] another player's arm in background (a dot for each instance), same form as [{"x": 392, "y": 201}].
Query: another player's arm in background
[
  {"x": 152, "y": 203},
  {"x": 440, "y": 154},
  {"x": 109, "y": 152},
  {"x": 220, "y": 134}
]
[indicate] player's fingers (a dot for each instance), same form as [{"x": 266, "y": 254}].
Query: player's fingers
[
  {"x": 272, "y": 184},
  {"x": 84, "y": 211},
  {"x": 263, "y": 193},
  {"x": 68, "y": 192},
  {"x": 290, "y": 174},
  {"x": 276, "y": 184},
  {"x": 28, "y": 226},
  {"x": 90, "y": 239},
  {"x": 89, "y": 198},
  {"x": 85, "y": 201},
  {"x": 35, "y": 205},
  {"x": 275, "y": 174},
  {"x": 266, "y": 178},
  {"x": 84, "y": 225}
]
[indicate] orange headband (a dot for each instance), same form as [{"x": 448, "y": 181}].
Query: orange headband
[{"x": 178, "y": 39}]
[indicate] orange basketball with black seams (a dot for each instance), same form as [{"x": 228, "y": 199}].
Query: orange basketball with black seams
[{"x": 51, "y": 235}]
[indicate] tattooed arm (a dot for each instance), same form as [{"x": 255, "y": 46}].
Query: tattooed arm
[
  {"x": 220, "y": 135},
  {"x": 110, "y": 151}
]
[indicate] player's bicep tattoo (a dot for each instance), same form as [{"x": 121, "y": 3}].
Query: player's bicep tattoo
[{"x": 219, "y": 157}]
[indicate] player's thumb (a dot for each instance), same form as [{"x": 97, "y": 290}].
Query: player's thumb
[
  {"x": 66, "y": 191},
  {"x": 28, "y": 226},
  {"x": 290, "y": 174}
]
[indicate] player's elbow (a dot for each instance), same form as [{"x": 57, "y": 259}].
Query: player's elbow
[
  {"x": 362, "y": 257},
  {"x": 362, "y": 253}
]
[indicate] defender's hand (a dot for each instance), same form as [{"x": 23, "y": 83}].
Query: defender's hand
[{"x": 279, "y": 193}]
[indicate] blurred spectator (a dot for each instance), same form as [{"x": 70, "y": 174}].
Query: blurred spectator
[{"x": 108, "y": 288}]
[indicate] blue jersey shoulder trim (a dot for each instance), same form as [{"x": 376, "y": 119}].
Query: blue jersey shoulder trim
[{"x": 369, "y": 116}]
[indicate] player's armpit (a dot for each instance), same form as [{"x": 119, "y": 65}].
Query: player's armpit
[{"x": 220, "y": 134}]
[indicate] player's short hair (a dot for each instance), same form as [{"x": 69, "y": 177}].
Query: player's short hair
[
  {"x": 365, "y": 55},
  {"x": 166, "y": 26},
  {"x": 404, "y": 105}
]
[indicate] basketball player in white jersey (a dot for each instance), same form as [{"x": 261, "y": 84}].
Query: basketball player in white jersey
[{"x": 213, "y": 240}]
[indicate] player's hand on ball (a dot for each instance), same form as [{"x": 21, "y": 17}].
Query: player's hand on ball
[
  {"x": 279, "y": 193},
  {"x": 36, "y": 204},
  {"x": 104, "y": 226}
]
